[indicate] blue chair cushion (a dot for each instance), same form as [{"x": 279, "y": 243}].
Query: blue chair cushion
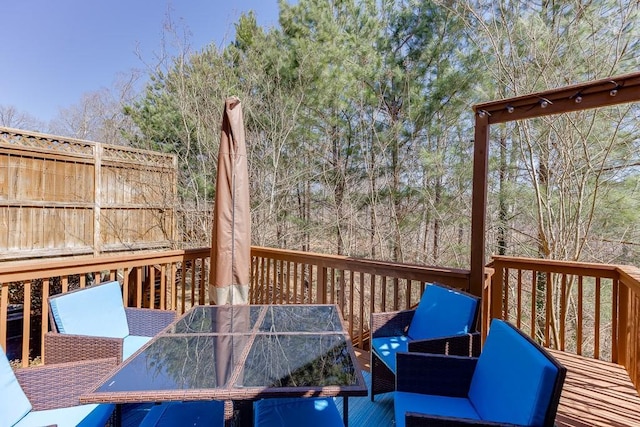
[
  {"x": 80, "y": 416},
  {"x": 14, "y": 404},
  {"x": 307, "y": 412},
  {"x": 442, "y": 312},
  {"x": 387, "y": 347},
  {"x": 131, "y": 344},
  {"x": 95, "y": 311},
  {"x": 513, "y": 381},
  {"x": 456, "y": 407},
  {"x": 196, "y": 413}
]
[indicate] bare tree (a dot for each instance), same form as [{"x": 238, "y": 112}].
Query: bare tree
[
  {"x": 12, "y": 118},
  {"x": 99, "y": 115}
]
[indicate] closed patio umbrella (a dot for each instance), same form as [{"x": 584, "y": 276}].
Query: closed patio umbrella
[{"x": 231, "y": 239}]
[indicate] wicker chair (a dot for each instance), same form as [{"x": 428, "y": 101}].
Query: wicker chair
[
  {"x": 49, "y": 395},
  {"x": 443, "y": 323},
  {"x": 514, "y": 382},
  {"x": 92, "y": 323}
]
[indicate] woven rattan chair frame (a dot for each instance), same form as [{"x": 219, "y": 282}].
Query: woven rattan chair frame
[
  {"x": 61, "y": 385},
  {"x": 396, "y": 323},
  {"x": 62, "y": 348},
  {"x": 451, "y": 376}
]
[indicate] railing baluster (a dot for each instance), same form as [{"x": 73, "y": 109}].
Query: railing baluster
[
  {"x": 192, "y": 301},
  {"x": 296, "y": 282},
  {"x": 548, "y": 315},
  {"x": 4, "y": 307},
  {"x": 519, "y": 288},
  {"x": 534, "y": 297},
  {"x": 580, "y": 315},
  {"x": 202, "y": 283},
  {"x": 563, "y": 311},
  {"x": 183, "y": 284},
  {"x": 372, "y": 306},
  {"x": 505, "y": 293},
  {"x": 26, "y": 322},
  {"x": 615, "y": 321},
  {"x": 45, "y": 314},
  {"x": 163, "y": 287},
  {"x": 271, "y": 287},
  {"x": 596, "y": 332},
  {"x": 341, "y": 291},
  {"x": 361, "y": 305},
  {"x": 288, "y": 282},
  {"x": 383, "y": 293},
  {"x": 351, "y": 301},
  {"x": 139, "y": 287},
  {"x": 152, "y": 287}
]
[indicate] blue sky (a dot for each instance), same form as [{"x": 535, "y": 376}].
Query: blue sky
[{"x": 53, "y": 51}]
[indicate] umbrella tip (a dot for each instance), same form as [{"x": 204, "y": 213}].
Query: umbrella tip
[{"x": 232, "y": 101}]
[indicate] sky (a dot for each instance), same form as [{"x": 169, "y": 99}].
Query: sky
[{"x": 53, "y": 51}]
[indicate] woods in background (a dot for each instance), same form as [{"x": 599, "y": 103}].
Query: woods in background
[{"x": 360, "y": 128}]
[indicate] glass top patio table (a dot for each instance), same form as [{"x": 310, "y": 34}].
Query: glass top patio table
[{"x": 243, "y": 352}]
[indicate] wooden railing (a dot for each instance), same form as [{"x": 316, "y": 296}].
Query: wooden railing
[
  {"x": 180, "y": 279},
  {"x": 583, "y": 308},
  {"x": 587, "y": 309},
  {"x": 358, "y": 286}
]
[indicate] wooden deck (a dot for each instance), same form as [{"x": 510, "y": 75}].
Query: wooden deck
[{"x": 595, "y": 393}]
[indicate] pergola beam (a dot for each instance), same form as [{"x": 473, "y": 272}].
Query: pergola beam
[
  {"x": 598, "y": 93},
  {"x": 585, "y": 96}
]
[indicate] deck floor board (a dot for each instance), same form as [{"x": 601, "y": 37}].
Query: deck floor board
[{"x": 595, "y": 394}]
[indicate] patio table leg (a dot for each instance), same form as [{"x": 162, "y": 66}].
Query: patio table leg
[
  {"x": 117, "y": 416},
  {"x": 345, "y": 410},
  {"x": 245, "y": 412}
]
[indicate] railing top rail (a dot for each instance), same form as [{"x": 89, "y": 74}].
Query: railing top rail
[
  {"x": 555, "y": 266},
  {"x": 15, "y": 271},
  {"x": 390, "y": 269}
]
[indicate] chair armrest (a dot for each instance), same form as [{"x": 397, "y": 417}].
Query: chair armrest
[
  {"x": 435, "y": 374},
  {"x": 414, "y": 419},
  {"x": 146, "y": 322},
  {"x": 457, "y": 345},
  {"x": 390, "y": 323},
  {"x": 61, "y": 385},
  {"x": 62, "y": 348}
]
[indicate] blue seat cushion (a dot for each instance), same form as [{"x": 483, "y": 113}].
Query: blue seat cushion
[
  {"x": 95, "y": 311},
  {"x": 80, "y": 416},
  {"x": 456, "y": 407},
  {"x": 442, "y": 312},
  {"x": 196, "y": 413},
  {"x": 131, "y": 344},
  {"x": 513, "y": 381},
  {"x": 14, "y": 404},
  {"x": 387, "y": 347},
  {"x": 307, "y": 412}
]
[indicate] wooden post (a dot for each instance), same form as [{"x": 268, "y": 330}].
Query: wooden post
[
  {"x": 623, "y": 325},
  {"x": 479, "y": 201}
]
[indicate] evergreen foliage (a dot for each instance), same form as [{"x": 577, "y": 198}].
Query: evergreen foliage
[{"x": 360, "y": 128}]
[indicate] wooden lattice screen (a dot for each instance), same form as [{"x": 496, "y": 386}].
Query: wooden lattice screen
[{"x": 62, "y": 196}]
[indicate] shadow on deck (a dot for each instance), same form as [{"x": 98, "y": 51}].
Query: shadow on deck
[{"x": 595, "y": 394}]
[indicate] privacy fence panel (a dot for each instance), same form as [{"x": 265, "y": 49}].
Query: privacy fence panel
[{"x": 61, "y": 196}]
